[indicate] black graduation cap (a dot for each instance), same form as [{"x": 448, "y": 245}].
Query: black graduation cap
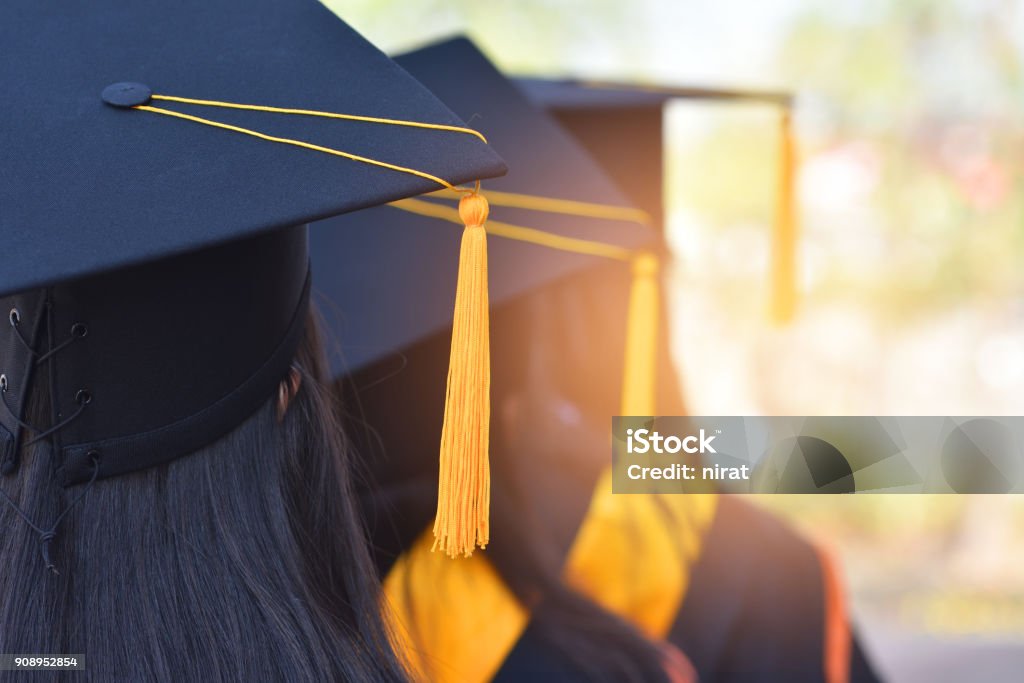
[
  {"x": 545, "y": 162},
  {"x": 160, "y": 161},
  {"x": 622, "y": 126},
  {"x": 553, "y": 188}
]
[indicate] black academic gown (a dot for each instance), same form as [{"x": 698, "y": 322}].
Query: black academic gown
[{"x": 755, "y": 609}]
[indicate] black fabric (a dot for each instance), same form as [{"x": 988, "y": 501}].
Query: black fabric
[
  {"x": 628, "y": 143},
  {"x": 18, "y": 368},
  {"x": 754, "y": 610},
  {"x": 582, "y": 95},
  {"x": 124, "y": 454},
  {"x": 861, "y": 669},
  {"x": 565, "y": 95},
  {"x": 175, "y": 353},
  {"x": 532, "y": 659},
  {"x": 7, "y": 445}
]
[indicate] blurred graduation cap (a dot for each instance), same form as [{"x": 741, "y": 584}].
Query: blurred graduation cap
[
  {"x": 155, "y": 183},
  {"x": 553, "y": 215},
  {"x": 544, "y": 162},
  {"x": 621, "y": 125}
]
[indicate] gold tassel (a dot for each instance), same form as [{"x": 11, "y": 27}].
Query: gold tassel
[
  {"x": 784, "y": 251},
  {"x": 464, "y": 482},
  {"x": 640, "y": 368}
]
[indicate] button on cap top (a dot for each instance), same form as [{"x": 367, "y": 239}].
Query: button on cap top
[{"x": 126, "y": 94}]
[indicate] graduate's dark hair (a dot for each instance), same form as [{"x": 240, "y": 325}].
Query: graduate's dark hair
[
  {"x": 243, "y": 561},
  {"x": 571, "y": 333}
]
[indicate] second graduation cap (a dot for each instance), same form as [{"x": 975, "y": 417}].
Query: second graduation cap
[
  {"x": 158, "y": 171},
  {"x": 554, "y": 214},
  {"x": 558, "y": 228},
  {"x": 544, "y": 163},
  {"x": 622, "y": 125}
]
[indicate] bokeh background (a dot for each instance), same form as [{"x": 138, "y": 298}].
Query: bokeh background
[{"x": 911, "y": 130}]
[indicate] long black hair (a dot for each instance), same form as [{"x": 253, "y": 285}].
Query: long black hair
[
  {"x": 243, "y": 561},
  {"x": 557, "y": 360}
]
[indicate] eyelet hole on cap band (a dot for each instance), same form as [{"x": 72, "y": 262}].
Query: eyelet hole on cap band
[
  {"x": 93, "y": 456},
  {"x": 15, "y": 317},
  {"x": 83, "y": 397},
  {"x": 3, "y": 382},
  {"x": 79, "y": 330}
]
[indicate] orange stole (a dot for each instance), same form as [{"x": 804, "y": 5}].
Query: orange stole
[{"x": 456, "y": 621}]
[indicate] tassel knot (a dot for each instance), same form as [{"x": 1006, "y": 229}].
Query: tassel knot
[
  {"x": 645, "y": 265},
  {"x": 473, "y": 210}
]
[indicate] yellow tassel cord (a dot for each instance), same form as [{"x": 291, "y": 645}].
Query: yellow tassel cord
[
  {"x": 308, "y": 145},
  {"x": 464, "y": 484},
  {"x": 569, "y": 207},
  {"x": 783, "y": 304},
  {"x": 639, "y": 377},
  {"x": 518, "y": 233},
  {"x": 314, "y": 112}
]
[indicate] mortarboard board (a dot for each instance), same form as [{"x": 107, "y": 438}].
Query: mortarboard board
[
  {"x": 621, "y": 125},
  {"x": 155, "y": 257}
]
